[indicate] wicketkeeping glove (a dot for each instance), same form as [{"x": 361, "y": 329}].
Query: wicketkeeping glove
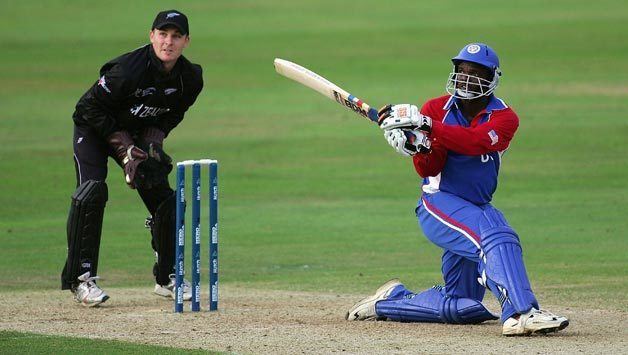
[
  {"x": 154, "y": 170},
  {"x": 404, "y": 116},
  {"x": 127, "y": 154},
  {"x": 155, "y": 151},
  {"x": 152, "y": 135},
  {"x": 407, "y": 142}
]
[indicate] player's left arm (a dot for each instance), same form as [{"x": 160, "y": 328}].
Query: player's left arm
[
  {"x": 432, "y": 163},
  {"x": 494, "y": 135}
]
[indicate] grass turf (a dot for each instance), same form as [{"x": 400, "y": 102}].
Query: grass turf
[{"x": 30, "y": 343}]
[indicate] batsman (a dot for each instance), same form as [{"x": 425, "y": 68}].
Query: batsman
[
  {"x": 139, "y": 98},
  {"x": 457, "y": 142}
]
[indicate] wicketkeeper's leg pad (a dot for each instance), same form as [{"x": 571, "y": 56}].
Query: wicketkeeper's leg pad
[
  {"x": 84, "y": 228},
  {"x": 504, "y": 263},
  {"x": 434, "y": 306}
]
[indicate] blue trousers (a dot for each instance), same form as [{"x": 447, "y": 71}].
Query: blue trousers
[{"x": 458, "y": 226}]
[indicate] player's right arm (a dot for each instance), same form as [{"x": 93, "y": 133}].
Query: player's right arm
[{"x": 97, "y": 108}]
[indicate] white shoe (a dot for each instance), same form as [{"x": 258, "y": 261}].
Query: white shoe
[
  {"x": 365, "y": 309},
  {"x": 535, "y": 321},
  {"x": 88, "y": 293},
  {"x": 168, "y": 290}
]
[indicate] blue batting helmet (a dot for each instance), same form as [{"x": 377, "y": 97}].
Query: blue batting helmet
[
  {"x": 470, "y": 86},
  {"x": 478, "y": 53}
]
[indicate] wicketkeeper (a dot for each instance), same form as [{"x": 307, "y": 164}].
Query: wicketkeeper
[
  {"x": 456, "y": 143},
  {"x": 138, "y": 99}
]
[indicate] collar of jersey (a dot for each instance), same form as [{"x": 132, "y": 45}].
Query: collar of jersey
[
  {"x": 159, "y": 66},
  {"x": 494, "y": 103}
]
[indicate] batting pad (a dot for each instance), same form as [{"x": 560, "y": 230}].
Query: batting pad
[
  {"x": 504, "y": 261},
  {"x": 433, "y": 306}
]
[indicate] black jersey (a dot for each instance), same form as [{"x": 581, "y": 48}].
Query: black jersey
[{"x": 133, "y": 92}]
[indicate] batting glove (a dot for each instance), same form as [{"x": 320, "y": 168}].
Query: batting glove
[
  {"x": 403, "y": 116},
  {"x": 407, "y": 142}
]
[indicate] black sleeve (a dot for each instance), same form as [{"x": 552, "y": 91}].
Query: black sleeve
[
  {"x": 98, "y": 107},
  {"x": 195, "y": 82}
]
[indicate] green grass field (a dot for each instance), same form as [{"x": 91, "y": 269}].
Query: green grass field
[
  {"x": 312, "y": 197},
  {"x": 15, "y": 342}
]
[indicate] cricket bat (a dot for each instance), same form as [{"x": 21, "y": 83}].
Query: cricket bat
[{"x": 325, "y": 87}]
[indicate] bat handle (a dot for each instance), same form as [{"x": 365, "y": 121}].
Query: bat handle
[
  {"x": 411, "y": 137},
  {"x": 372, "y": 115}
]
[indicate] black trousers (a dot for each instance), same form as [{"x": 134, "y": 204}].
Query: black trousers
[{"x": 91, "y": 155}]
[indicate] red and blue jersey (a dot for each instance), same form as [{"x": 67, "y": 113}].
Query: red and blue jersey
[{"x": 466, "y": 155}]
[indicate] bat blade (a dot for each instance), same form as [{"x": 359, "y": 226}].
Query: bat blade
[{"x": 325, "y": 87}]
